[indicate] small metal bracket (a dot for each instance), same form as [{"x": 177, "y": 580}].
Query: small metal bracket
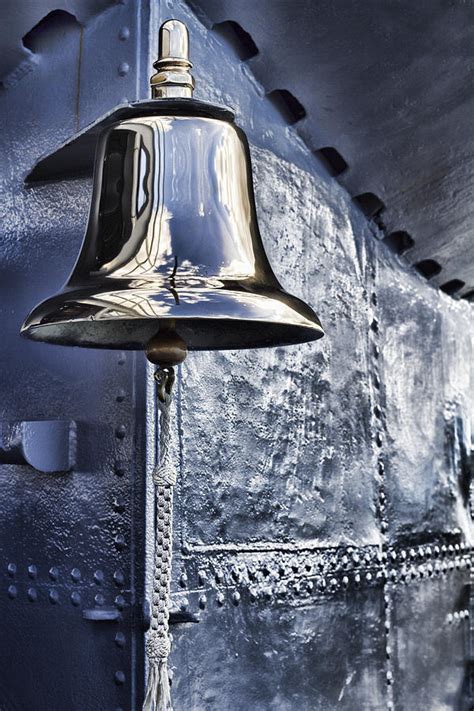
[
  {"x": 176, "y": 616},
  {"x": 47, "y": 445},
  {"x": 102, "y": 614}
]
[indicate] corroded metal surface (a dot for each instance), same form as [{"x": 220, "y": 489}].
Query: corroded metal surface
[{"x": 388, "y": 86}]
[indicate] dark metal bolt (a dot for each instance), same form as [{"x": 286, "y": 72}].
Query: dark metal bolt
[
  {"x": 120, "y": 542},
  {"x": 120, "y": 639},
  {"x": 119, "y": 578},
  {"x": 120, "y": 431},
  {"x": 119, "y": 678},
  {"x": 120, "y": 468},
  {"x": 236, "y": 598},
  {"x": 75, "y": 599}
]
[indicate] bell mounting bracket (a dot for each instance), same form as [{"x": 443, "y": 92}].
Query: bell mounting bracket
[
  {"x": 75, "y": 157},
  {"x": 46, "y": 445}
]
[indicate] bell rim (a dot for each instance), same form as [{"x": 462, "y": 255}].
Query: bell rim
[{"x": 265, "y": 328}]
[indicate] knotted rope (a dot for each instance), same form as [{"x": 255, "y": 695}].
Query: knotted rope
[{"x": 158, "y": 697}]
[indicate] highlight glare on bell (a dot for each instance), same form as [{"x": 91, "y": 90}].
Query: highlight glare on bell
[{"x": 172, "y": 240}]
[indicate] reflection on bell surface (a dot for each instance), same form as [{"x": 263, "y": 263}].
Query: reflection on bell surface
[{"x": 173, "y": 238}]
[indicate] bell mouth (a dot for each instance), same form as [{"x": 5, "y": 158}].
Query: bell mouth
[{"x": 206, "y": 319}]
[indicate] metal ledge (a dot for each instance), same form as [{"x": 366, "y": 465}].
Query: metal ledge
[{"x": 75, "y": 157}]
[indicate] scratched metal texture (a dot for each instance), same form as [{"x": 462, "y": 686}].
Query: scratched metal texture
[{"x": 322, "y": 534}]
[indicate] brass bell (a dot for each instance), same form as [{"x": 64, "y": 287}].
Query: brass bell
[{"x": 172, "y": 244}]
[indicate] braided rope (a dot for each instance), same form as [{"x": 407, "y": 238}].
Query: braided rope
[{"x": 158, "y": 644}]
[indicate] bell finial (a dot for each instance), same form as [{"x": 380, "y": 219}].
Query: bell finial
[{"x": 173, "y": 79}]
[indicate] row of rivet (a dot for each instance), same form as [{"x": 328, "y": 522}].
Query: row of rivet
[
  {"x": 75, "y": 574},
  {"x": 118, "y": 504},
  {"x": 54, "y": 597},
  {"x": 274, "y": 590},
  {"x": 368, "y": 563},
  {"x": 306, "y": 587}
]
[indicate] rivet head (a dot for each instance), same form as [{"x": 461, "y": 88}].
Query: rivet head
[
  {"x": 11, "y": 568},
  {"x": 119, "y": 678},
  {"x": 123, "y": 68},
  {"x": 99, "y": 577},
  {"x": 99, "y": 599},
  {"x": 53, "y": 597},
  {"x": 235, "y": 572},
  {"x": 183, "y": 580},
  {"x": 202, "y": 602},
  {"x": 32, "y": 595},
  {"x": 120, "y": 602},
  {"x": 252, "y": 572},
  {"x": 119, "y": 578},
  {"x": 12, "y": 592},
  {"x": 75, "y": 575},
  {"x": 119, "y": 505},
  {"x": 32, "y": 572},
  {"x": 124, "y": 33},
  {"x": 120, "y": 431},
  {"x": 120, "y": 542},
  {"x": 120, "y": 639},
  {"x": 202, "y": 577},
  {"x": 220, "y": 599},
  {"x": 120, "y": 468},
  {"x": 53, "y": 573},
  {"x": 75, "y": 599},
  {"x": 120, "y": 396},
  {"x": 236, "y": 598}
]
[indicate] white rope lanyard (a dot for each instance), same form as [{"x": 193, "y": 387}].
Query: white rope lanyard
[{"x": 158, "y": 697}]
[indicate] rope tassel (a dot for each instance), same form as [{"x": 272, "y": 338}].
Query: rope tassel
[{"x": 158, "y": 696}]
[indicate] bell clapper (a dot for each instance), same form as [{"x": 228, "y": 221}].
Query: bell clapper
[{"x": 165, "y": 349}]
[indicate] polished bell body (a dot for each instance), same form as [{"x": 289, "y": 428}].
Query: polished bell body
[{"x": 172, "y": 240}]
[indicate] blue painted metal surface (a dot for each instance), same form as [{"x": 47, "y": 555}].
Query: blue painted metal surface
[
  {"x": 323, "y": 535},
  {"x": 72, "y": 544}
]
